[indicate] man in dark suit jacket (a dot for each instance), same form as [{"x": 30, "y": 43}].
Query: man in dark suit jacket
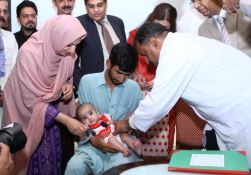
[{"x": 92, "y": 51}]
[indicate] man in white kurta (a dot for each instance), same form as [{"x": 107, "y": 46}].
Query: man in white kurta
[{"x": 207, "y": 75}]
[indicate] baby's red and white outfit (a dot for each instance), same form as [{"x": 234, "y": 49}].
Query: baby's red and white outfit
[{"x": 101, "y": 126}]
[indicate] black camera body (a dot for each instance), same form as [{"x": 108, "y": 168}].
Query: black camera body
[{"x": 13, "y": 136}]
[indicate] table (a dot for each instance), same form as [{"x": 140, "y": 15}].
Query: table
[
  {"x": 119, "y": 169},
  {"x": 144, "y": 168}
]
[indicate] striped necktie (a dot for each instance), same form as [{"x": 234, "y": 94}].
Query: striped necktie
[
  {"x": 224, "y": 36},
  {"x": 2, "y": 58},
  {"x": 106, "y": 36}
]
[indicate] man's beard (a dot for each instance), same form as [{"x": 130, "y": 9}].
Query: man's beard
[
  {"x": 2, "y": 21},
  {"x": 112, "y": 79},
  {"x": 29, "y": 27}
]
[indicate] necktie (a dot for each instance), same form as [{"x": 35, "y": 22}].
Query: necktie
[
  {"x": 2, "y": 58},
  {"x": 224, "y": 36},
  {"x": 106, "y": 36}
]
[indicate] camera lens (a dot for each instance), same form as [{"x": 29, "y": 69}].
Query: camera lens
[{"x": 13, "y": 136}]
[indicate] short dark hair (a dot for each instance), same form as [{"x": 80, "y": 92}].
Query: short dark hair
[
  {"x": 148, "y": 30},
  {"x": 125, "y": 56},
  {"x": 79, "y": 108},
  {"x": 25, "y": 3},
  {"x": 87, "y": 1}
]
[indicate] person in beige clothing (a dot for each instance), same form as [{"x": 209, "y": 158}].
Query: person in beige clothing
[{"x": 237, "y": 23}]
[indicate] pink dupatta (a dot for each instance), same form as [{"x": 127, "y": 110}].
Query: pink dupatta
[{"x": 37, "y": 79}]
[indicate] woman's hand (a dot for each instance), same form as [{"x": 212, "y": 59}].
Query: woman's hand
[
  {"x": 77, "y": 103},
  {"x": 67, "y": 90},
  {"x": 74, "y": 126}
]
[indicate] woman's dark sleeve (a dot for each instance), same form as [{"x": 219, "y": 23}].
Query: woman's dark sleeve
[{"x": 50, "y": 115}]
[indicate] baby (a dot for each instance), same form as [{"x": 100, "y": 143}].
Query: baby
[{"x": 87, "y": 114}]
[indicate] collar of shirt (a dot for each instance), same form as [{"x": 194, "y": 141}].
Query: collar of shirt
[
  {"x": 223, "y": 13},
  {"x": 215, "y": 18},
  {"x": 217, "y": 22},
  {"x": 101, "y": 81},
  {"x": 105, "y": 20}
]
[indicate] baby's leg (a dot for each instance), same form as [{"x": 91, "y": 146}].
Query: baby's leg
[
  {"x": 133, "y": 144},
  {"x": 113, "y": 141}
]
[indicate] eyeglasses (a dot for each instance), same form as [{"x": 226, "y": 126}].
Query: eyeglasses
[{"x": 28, "y": 15}]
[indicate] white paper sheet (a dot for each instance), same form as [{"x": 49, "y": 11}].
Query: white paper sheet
[{"x": 216, "y": 160}]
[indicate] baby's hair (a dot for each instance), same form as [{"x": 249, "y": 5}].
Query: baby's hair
[{"x": 80, "y": 107}]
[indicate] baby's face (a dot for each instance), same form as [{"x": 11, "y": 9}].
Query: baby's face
[{"x": 88, "y": 115}]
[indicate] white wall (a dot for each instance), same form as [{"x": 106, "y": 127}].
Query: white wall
[{"x": 133, "y": 12}]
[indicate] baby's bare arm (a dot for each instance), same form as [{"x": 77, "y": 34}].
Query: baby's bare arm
[{"x": 98, "y": 142}]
